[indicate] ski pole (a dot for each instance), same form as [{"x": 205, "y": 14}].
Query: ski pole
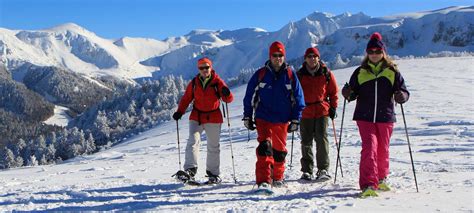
[
  {"x": 230, "y": 139},
  {"x": 335, "y": 140},
  {"x": 291, "y": 158},
  {"x": 340, "y": 141},
  {"x": 179, "y": 149},
  {"x": 409, "y": 147}
]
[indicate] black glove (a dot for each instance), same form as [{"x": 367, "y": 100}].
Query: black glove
[
  {"x": 225, "y": 92},
  {"x": 400, "y": 97},
  {"x": 177, "y": 115},
  {"x": 332, "y": 113},
  {"x": 249, "y": 124},
  {"x": 346, "y": 91},
  {"x": 293, "y": 126}
]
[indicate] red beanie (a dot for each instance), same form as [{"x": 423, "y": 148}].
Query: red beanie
[
  {"x": 204, "y": 61},
  {"x": 313, "y": 50},
  {"x": 375, "y": 42},
  {"x": 277, "y": 47}
]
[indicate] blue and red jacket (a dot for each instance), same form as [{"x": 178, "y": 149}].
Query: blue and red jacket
[
  {"x": 374, "y": 86},
  {"x": 275, "y": 93}
]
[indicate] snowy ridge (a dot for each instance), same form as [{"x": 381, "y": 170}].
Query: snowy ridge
[
  {"x": 340, "y": 38},
  {"x": 136, "y": 174}
]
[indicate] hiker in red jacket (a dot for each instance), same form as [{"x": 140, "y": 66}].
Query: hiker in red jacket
[
  {"x": 206, "y": 90},
  {"x": 320, "y": 95}
]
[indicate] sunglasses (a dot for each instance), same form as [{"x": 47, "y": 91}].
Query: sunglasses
[
  {"x": 277, "y": 55},
  {"x": 376, "y": 51},
  {"x": 204, "y": 68},
  {"x": 311, "y": 56}
]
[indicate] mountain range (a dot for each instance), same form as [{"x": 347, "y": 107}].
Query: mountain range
[{"x": 340, "y": 38}]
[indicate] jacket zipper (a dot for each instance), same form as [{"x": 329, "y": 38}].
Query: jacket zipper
[{"x": 375, "y": 105}]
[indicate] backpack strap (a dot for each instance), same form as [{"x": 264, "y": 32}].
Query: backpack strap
[
  {"x": 260, "y": 84},
  {"x": 215, "y": 86}
]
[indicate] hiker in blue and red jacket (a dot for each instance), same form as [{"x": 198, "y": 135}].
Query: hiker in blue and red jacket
[
  {"x": 205, "y": 91},
  {"x": 275, "y": 96},
  {"x": 376, "y": 84}
]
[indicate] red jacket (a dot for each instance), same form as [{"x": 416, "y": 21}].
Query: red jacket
[
  {"x": 206, "y": 101},
  {"x": 320, "y": 91}
]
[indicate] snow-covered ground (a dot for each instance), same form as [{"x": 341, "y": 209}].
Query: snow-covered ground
[
  {"x": 136, "y": 175},
  {"x": 60, "y": 117}
]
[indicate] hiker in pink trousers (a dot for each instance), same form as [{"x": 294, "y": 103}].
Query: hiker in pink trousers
[{"x": 376, "y": 85}]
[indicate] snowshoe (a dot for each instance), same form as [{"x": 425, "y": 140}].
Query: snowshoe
[
  {"x": 383, "y": 186},
  {"x": 322, "y": 175},
  {"x": 368, "y": 192},
  {"x": 213, "y": 179},
  {"x": 183, "y": 176},
  {"x": 306, "y": 176},
  {"x": 279, "y": 183},
  {"x": 264, "y": 189}
]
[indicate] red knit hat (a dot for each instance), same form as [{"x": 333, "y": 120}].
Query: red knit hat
[
  {"x": 375, "y": 42},
  {"x": 277, "y": 47},
  {"x": 313, "y": 50},
  {"x": 204, "y": 61}
]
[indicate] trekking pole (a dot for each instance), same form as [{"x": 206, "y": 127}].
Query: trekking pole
[
  {"x": 409, "y": 147},
  {"x": 340, "y": 141},
  {"x": 248, "y": 134},
  {"x": 230, "y": 139},
  {"x": 335, "y": 140},
  {"x": 291, "y": 158},
  {"x": 179, "y": 149},
  {"x": 223, "y": 108}
]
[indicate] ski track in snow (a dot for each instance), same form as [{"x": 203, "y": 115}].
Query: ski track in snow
[{"x": 136, "y": 174}]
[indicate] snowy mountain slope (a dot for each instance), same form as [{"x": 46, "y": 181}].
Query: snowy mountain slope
[
  {"x": 341, "y": 38},
  {"x": 73, "y": 47},
  {"x": 136, "y": 175}
]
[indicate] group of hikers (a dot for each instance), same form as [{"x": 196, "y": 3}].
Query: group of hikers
[{"x": 279, "y": 101}]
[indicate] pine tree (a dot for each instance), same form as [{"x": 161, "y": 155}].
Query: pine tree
[{"x": 7, "y": 159}]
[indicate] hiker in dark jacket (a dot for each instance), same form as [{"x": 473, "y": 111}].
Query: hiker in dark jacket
[
  {"x": 274, "y": 94},
  {"x": 376, "y": 84},
  {"x": 320, "y": 95}
]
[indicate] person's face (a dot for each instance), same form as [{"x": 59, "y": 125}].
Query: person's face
[
  {"x": 205, "y": 70},
  {"x": 375, "y": 55},
  {"x": 311, "y": 60},
  {"x": 277, "y": 59}
]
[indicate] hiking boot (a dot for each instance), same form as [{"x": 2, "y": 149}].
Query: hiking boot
[
  {"x": 213, "y": 179},
  {"x": 322, "y": 175},
  {"x": 383, "y": 186},
  {"x": 278, "y": 183},
  {"x": 307, "y": 176},
  {"x": 368, "y": 192}
]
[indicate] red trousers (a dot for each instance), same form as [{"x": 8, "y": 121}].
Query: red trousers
[
  {"x": 374, "y": 161},
  {"x": 271, "y": 151}
]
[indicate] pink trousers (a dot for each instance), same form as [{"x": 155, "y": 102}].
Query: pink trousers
[{"x": 374, "y": 159}]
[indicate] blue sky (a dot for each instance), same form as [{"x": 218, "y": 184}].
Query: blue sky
[{"x": 160, "y": 19}]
